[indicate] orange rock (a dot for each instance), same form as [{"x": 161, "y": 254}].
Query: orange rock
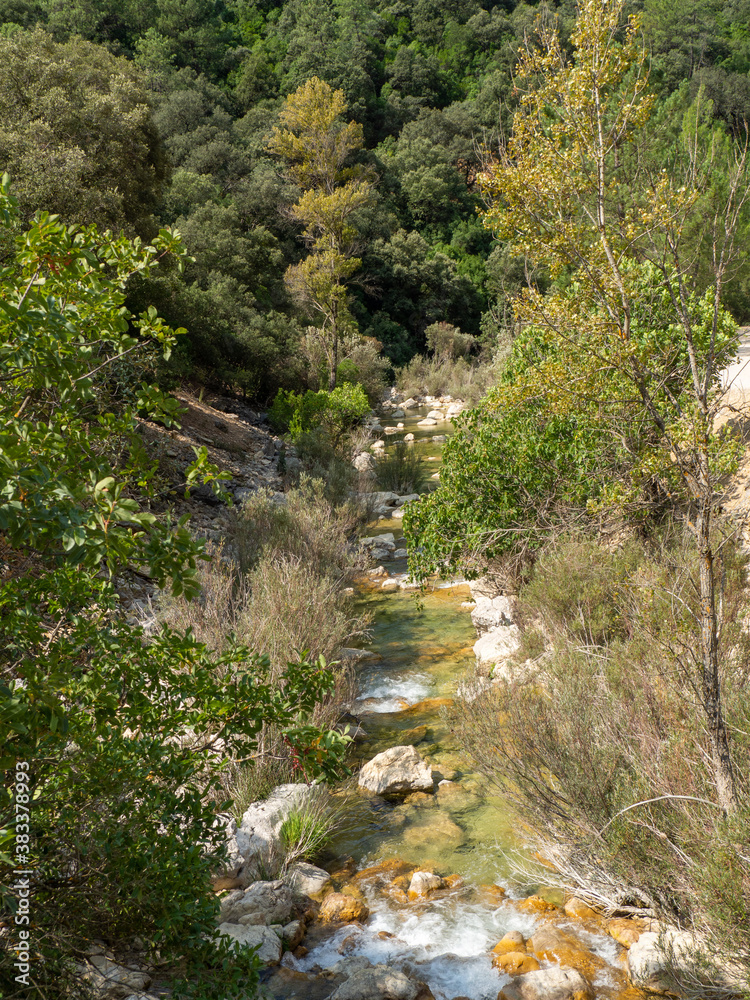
[
  {"x": 535, "y": 904},
  {"x": 392, "y": 867},
  {"x": 625, "y": 931},
  {"x": 453, "y": 881},
  {"x": 513, "y": 941},
  {"x": 401, "y": 882},
  {"x": 515, "y": 963},
  {"x": 349, "y": 889},
  {"x": 398, "y": 895},
  {"x": 492, "y": 895},
  {"x": 428, "y": 705},
  {"x": 340, "y": 908},
  {"x": 575, "y": 907},
  {"x": 564, "y": 949},
  {"x": 222, "y": 883}
]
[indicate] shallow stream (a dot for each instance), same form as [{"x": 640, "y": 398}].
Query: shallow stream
[{"x": 422, "y": 649}]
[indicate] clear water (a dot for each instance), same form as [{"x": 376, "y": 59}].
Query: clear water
[{"x": 424, "y": 647}]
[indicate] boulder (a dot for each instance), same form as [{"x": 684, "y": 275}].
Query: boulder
[
  {"x": 397, "y": 771},
  {"x": 624, "y": 930},
  {"x": 111, "y": 981},
  {"x": 497, "y": 645},
  {"x": 427, "y": 422},
  {"x": 235, "y": 859},
  {"x": 548, "y": 984},
  {"x": 438, "y": 438},
  {"x": 307, "y": 879},
  {"x": 579, "y": 908},
  {"x": 409, "y": 403},
  {"x": 397, "y": 414},
  {"x": 512, "y": 942},
  {"x": 364, "y": 462},
  {"x": 258, "y": 834},
  {"x": 380, "y": 499},
  {"x": 400, "y": 554},
  {"x": 379, "y": 554},
  {"x": 551, "y": 944},
  {"x": 515, "y": 963},
  {"x": 407, "y": 499},
  {"x": 436, "y": 415},
  {"x": 381, "y": 983},
  {"x": 262, "y": 903},
  {"x": 492, "y": 612},
  {"x": 423, "y": 883},
  {"x": 384, "y": 541},
  {"x": 340, "y": 907},
  {"x": 408, "y": 437},
  {"x": 268, "y": 942},
  {"x": 654, "y": 953}
]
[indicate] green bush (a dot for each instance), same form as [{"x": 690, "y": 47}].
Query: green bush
[
  {"x": 401, "y": 470},
  {"x": 337, "y": 410},
  {"x": 118, "y": 731}
]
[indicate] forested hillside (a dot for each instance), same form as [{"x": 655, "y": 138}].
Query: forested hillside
[{"x": 147, "y": 113}]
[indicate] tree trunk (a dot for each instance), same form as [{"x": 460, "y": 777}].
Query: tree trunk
[{"x": 710, "y": 686}]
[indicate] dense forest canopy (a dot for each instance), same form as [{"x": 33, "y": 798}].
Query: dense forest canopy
[{"x": 158, "y": 112}]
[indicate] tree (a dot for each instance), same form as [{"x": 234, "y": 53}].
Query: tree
[
  {"x": 317, "y": 147},
  {"x": 121, "y": 736},
  {"x": 77, "y": 134},
  {"x": 632, "y": 328},
  {"x": 573, "y": 192}
]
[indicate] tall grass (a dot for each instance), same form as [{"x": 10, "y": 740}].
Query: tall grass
[{"x": 278, "y": 586}]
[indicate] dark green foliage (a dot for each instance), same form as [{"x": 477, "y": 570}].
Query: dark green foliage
[
  {"x": 401, "y": 470},
  {"x": 77, "y": 133}
]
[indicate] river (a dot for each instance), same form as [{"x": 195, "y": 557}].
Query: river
[{"x": 422, "y": 649}]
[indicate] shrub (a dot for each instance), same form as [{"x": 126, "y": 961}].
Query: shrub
[
  {"x": 442, "y": 376},
  {"x": 307, "y": 829},
  {"x": 401, "y": 470},
  {"x": 337, "y": 410},
  {"x": 607, "y": 754}
]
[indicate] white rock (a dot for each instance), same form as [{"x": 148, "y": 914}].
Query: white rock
[
  {"x": 427, "y": 422},
  {"x": 307, "y": 878},
  {"x": 112, "y": 981},
  {"x": 269, "y": 951},
  {"x": 391, "y": 430},
  {"x": 438, "y": 438},
  {"x": 497, "y": 645},
  {"x": 423, "y": 883},
  {"x": 652, "y": 953},
  {"x": 399, "y": 513},
  {"x": 378, "y": 445},
  {"x": 397, "y": 771},
  {"x": 548, "y": 984},
  {"x": 491, "y": 612},
  {"x": 409, "y": 404},
  {"x": 389, "y": 585},
  {"x": 364, "y": 462},
  {"x": 408, "y": 437},
  {"x": 258, "y": 835},
  {"x": 400, "y": 554},
  {"x": 261, "y": 903},
  {"x": 379, "y": 553},
  {"x": 436, "y": 415},
  {"x": 378, "y": 983}
]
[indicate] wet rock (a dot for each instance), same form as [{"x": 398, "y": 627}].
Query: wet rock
[
  {"x": 535, "y": 904},
  {"x": 348, "y": 966},
  {"x": 490, "y": 895},
  {"x": 410, "y": 737},
  {"x": 397, "y": 772},
  {"x": 564, "y": 948},
  {"x": 625, "y": 931},
  {"x": 579, "y": 909},
  {"x": 339, "y": 907},
  {"x": 381, "y": 983},
  {"x": 515, "y": 963},
  {"x": 513, "y": 941},
  {"x": 400, "y": 554},
  {"x": 654, "y": 953},
  {"x": 308, "y": 879},
  {"x": 548, "y": 984},
  {"x": 439, "y": 831},
  {"x": 438, "y": 438},
  {"x": 389, "y": 586},
  {"x": 268, "y": 943},
  {"x": 423, "y": 884},
  {"x": 397, "y": 414}
]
